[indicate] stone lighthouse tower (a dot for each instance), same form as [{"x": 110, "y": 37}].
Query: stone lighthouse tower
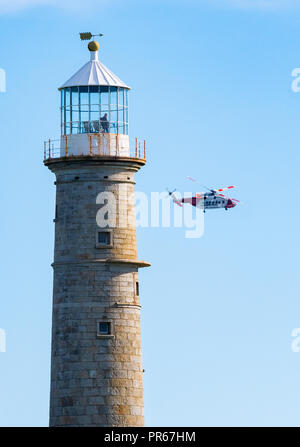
[{"x": 96, "y": 362}]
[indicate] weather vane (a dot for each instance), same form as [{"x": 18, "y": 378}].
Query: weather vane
[{"x": 88, "y": 36}]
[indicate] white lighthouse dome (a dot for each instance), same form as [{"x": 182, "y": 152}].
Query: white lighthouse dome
[{"x": 94, "y": 73}]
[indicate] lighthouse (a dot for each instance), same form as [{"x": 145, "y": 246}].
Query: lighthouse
[{"x": 96, "y": 358}]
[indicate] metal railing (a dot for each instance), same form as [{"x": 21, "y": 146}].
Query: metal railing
[
  {"x": 99, "y": 145},
  {"x": 51, "y": 149}
]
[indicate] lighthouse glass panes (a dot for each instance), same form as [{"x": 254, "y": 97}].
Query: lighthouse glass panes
[{"x": 94, "y": 109}]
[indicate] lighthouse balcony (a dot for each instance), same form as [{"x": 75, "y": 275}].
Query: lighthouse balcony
[{"x": 94, "y": 145}]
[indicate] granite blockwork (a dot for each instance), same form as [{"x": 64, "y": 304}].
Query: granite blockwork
[{"x": 96, "y": 374}]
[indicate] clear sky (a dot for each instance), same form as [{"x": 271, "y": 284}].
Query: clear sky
[{"x": 211, "y": 93}]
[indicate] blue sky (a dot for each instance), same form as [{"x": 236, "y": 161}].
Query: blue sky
[{"x": 211, "y": 93}]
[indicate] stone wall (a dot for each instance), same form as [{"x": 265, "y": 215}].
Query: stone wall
[{"x": 96, "y": 380}]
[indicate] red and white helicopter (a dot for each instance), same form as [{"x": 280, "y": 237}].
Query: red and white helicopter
[{"x": 212, "y": 199}]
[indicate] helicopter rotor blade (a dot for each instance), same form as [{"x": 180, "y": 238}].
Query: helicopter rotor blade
[
  {"x": 224, "y": 189},
  {"x": 210, "y": 189},
  {"x": 202, "y": 186}
]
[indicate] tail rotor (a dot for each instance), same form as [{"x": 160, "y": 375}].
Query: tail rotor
[{"x": 174, "y": 198}]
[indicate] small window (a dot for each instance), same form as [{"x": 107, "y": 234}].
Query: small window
[
  {"x": 137, "y": 288},
  {"x": 104, "y": 328},
  {"x": 104, "y": 239}
]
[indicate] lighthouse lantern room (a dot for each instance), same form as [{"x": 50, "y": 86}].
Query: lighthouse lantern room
[{"x": 94, "y": 111}]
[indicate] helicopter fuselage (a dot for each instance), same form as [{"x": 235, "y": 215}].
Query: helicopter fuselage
[{"x": 209, "y": 202}]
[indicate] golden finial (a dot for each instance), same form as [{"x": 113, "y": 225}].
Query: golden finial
[{"x": 93, "y": 46}]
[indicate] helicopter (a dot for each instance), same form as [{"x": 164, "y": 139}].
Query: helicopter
[{"x": 212, "y": 199}]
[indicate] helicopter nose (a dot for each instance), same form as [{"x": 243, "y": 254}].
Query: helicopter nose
[{"x": 230, "y": 203}]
